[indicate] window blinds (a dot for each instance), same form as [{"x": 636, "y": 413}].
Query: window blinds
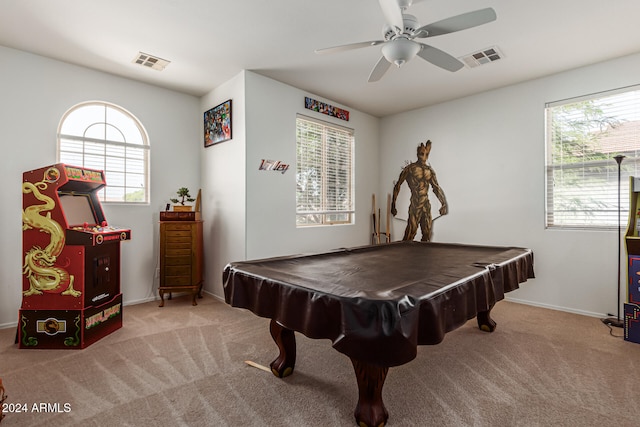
[
  {"x": 324, "y": 173},
  {"x": 102, "y": 136},
  {"x": 583, "y": 137}
]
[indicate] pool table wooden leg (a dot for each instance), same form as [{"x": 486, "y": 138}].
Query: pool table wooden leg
[
  {"x": 370, "y": 411},
  {"x": 485, "y": 322},
  {"x": 285, "y": 339}
]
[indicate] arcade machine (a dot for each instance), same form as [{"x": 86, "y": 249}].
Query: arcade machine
[
  {"x": 632, "y": 240},
  {"x": 71, "y": 273}
]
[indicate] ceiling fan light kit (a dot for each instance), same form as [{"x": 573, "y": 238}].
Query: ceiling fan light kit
[
  {"x": 399, "y": 51},
  {"x": 400, "y": 30}
]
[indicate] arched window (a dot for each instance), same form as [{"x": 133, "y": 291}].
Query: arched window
[{"x": 103, "y": 136}]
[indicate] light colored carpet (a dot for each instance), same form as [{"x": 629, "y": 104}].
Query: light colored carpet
[{"x": 184, "y": 366}]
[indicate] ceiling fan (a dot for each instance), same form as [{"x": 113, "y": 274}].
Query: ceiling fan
[{"x": 401, "y": 29}]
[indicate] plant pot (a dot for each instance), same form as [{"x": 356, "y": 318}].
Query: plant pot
[{"x": 180, "y": 208}]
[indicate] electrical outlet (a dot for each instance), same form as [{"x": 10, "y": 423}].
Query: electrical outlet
[{"x": 157, "y": 273}]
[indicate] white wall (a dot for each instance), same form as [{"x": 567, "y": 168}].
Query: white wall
[
  {"x": 36, "y": 92},
  {"x": 489, "y": 155},
  {"x": 271, "y": 134},
  {"x": 223, "y": 182}
]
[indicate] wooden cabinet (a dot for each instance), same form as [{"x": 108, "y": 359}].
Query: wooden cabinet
[{"x": 181, "y": 260}]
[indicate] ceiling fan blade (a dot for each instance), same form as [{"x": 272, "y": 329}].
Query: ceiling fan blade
[
  {"x": 379, "y": 70},
  {"x": 457, "y": 23},
  {"x": 392, "y": 14},
  {"x": 439, "y": 58},
  {"x": 350, "y": 46}
]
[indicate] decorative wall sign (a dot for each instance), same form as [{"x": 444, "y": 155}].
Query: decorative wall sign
[
  {"x": 329, "y": 110},
  {"x": 217, "y": 124},
  {"x": 273, "y": 165}
]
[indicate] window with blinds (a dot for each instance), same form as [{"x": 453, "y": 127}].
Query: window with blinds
[
  {"x": 584, "y": 137},
  {"x": 103, "y": 136},
  {"x": 324, "y": 173}
]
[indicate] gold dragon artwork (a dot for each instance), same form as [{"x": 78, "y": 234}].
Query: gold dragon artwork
[{"x": 39, "y": 264}]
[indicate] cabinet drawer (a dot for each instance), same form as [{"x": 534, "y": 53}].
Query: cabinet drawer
[
  {"x": 173, "y": 251},
  {"x": 175, "y": 233},
  {"x": 177, "y": 227},
  {"x": 178, "y": 239},
  {"x": 178, "y": 260},
  {"x": 178, "y": 270},
  {"x": 180, "y": 243},
  {"x": 177, "y": 281}
]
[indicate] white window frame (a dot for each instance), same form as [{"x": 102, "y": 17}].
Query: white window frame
[
  {"x": 320, "y": 209},
  {"x": 124, "y": 157},
  {"x": 583, "y": 137}
]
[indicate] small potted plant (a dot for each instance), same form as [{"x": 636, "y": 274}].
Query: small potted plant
[{"x": 179, "y": 202}]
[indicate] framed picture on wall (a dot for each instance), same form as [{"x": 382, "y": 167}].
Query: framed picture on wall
[{"x": 217, "y": 124}]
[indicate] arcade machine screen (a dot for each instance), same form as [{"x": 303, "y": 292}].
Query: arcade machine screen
[{"x": 78, "y": 209}]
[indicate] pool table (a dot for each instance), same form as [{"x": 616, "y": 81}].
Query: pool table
[{"x": 375, "y": 303}]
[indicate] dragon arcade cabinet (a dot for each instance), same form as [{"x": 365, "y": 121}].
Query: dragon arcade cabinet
[{"x": 71, "y": 269}]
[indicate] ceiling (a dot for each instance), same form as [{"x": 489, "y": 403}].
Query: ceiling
[{"x": 210, "y": 41}]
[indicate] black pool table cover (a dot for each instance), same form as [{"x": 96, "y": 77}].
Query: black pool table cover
[{"x": 378, "y": 303}]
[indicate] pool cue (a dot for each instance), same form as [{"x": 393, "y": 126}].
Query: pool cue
[
  {"x": 255, "y": 365},
  {"x": 378, "y": 227},
  {"x": 373, "y": 214},
  {"x": 388, "y": 233}
]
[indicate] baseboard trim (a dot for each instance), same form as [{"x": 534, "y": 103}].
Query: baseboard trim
[
  {"x": 8, "y": 325},
  {"x": 140, "y": 301},
  {"x": 555, "y": 307}
]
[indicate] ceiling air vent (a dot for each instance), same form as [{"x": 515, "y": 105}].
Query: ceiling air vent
[
  {"x": 482, "y": 57},
  {"x": 150, "y": 61}
]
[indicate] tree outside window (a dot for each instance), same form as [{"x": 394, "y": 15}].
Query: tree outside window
[{"x": 583, "y": 137}]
